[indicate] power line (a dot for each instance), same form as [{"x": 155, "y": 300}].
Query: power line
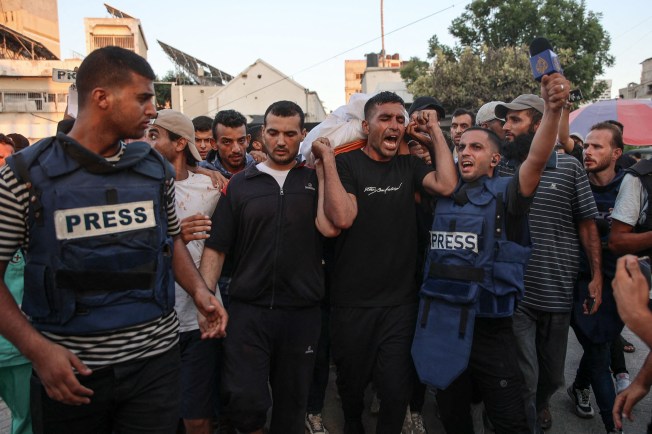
[{"x": 288, "y": 77}]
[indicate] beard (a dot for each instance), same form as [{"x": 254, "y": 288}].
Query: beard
[{"x": 518, "y": 149}]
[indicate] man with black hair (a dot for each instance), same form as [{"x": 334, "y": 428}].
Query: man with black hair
[
  {"x": 374, "y": 286},
  {"x": 561, "y": 217},
  {"x": 256, "y": 147},
  {"x": 229, "y": 154},
  {"x": 271, "y": 221},
  {"x": 97, "y": 222},
  {"x": 461, "y": 120},
  {"x": 204, "y": 139},
  {"x": 477, "y": 256},
  {"x": 7, "y": 147}
]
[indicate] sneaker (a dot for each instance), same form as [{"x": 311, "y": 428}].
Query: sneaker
[
  {"x": 581, "y": 398},
  {"x": 418, "y": 425},
  {"x": 622, "y": 382},
  {"x": 315, "y": 424},
  {"x": 545, "y": 418}
]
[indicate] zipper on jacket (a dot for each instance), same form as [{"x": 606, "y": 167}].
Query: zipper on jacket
[{"x": 279, "y": 218}]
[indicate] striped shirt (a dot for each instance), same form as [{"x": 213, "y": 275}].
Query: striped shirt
[
  {"x": 562, "y": 199},
  {"x": 143, "y": 340}
]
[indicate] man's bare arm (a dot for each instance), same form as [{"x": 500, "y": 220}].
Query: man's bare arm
[
  {"x": 590, "y": 239},
  {"x": 340, "y": 207},
  {"x": 554, "y": 91},
  {"x": 444, "y": 179},
  {"x": 53, "y": 363},
  {"x": 623, "y": 239}
]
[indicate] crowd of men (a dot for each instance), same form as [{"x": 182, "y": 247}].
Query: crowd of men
[{"x": 163, "y": 274}]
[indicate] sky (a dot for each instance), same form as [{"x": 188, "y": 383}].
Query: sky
[{"x": 309, "y": 40}]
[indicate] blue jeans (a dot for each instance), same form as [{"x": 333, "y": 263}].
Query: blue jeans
[
  {"x": 594, "y": 371},
  {"x": 542, "y": 338}
]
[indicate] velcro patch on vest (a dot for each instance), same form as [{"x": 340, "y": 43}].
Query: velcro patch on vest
[
  {"x": 440, "y": 240},
  {"x": 94, "y": 221}
]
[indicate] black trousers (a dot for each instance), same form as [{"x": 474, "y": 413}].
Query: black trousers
[
  {"x": 274, "y": 347},
  {"x": 374, "y": 344},
  {"x": 139, "y": 396},
  {"x": 493, "y": 369}
]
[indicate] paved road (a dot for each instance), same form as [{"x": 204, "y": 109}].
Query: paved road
[{"x": 564, "y": 419}]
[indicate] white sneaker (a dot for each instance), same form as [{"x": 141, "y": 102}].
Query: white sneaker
[
  {"x": 622, "y": 382},
  {"x": 315, "y": 424},
  {"x": 418, "y": 424}
]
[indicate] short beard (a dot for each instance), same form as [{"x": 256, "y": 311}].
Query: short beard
[{"x": 518, "y": 149}]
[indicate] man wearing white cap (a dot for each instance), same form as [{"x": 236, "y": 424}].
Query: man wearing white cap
[
  {"x": 486, "y": 118},
  {"x": 172, "y": 134}
]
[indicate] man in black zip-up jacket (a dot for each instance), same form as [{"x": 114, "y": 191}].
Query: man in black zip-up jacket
[{"x": 272, "y": 221}]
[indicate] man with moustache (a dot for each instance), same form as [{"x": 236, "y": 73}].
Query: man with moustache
[
  {"x": 374, "y": 289},
  {"x": 229, "y": 154},
  {"x": 204, "y": 139},
  {"x": 271, "y": 221},
  {"x": 561, "y": 216},
  {"x": 602, "y": 148},
  {"x": 461, "y": 120}
]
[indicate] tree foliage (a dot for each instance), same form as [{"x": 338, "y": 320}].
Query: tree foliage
[
  {"x": 569, "y": 26},
  {"x": 472, "y": 78},
  {"x": 413, "y": 69}
]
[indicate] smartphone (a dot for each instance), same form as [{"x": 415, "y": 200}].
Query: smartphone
[
  {"x": 575, "y": 95},
  {"x": 646, "y": 269}
]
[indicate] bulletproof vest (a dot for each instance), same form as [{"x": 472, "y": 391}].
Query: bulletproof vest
[
  {"x": 99, "y": 257},
  {"x": 643, "y": 171},
  {"x": 471, "y": 270},
  {"x": 605, "y": 199}
]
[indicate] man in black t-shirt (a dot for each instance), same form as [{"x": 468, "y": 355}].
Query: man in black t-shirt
[{"x": 374, "y": 290}]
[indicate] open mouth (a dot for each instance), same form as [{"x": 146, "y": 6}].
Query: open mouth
[
  {"x": 466, "y": 164},
  {"x": 391, "y": 141}
]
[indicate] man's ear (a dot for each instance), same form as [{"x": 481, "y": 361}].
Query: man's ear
[
  {"x": 181, "y": 144},
  {"x": 495, "y": 159},
  {"x": 101, "y": 97},
  {"x": 365, "y": 127},
  {"x": 617, "y": 153},
  {"x": 304, "y": 133}
]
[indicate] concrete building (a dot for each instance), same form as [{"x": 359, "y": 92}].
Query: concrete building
[
  {"x": 121, "y": 30},
  {"x": 31, "y": 102},
  {"x": 606, "y": 93},
  {"x": 642, "y": 89},
  {"x": 382, "y": 73},
  {"x": 254, "y": 89},
  {"x": 34, "y": 19}
]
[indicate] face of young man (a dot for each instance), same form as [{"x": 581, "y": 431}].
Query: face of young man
[
  {"x": 204, "y": 141},
  {"x": 459, "y": 124},
  {"x": 517, "y": 123},
  {"x": 159, "y": 139},
  {"x": 282, "y": 137},
  {"x": 384, "y": 129},
  {"x": 231, "y": 144},
  {"x": 475, "y": 155},
  {"x": 132, "y": 107},
  {"x": 598, "y": 154}
]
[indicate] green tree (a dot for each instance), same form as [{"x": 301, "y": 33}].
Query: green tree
[
  {"x": 413, "y": 69},
  {"x": 474, "y": 77},
  {"x": 570, "y": 27}
]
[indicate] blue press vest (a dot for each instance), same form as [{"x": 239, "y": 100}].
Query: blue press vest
[
  {"x": 470, "y": 260},
  {"x": 99, "y": 256},
  {"x": 471, "y": 270}
]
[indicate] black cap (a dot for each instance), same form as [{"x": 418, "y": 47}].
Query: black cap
[{"x": 427, "y": 102}]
